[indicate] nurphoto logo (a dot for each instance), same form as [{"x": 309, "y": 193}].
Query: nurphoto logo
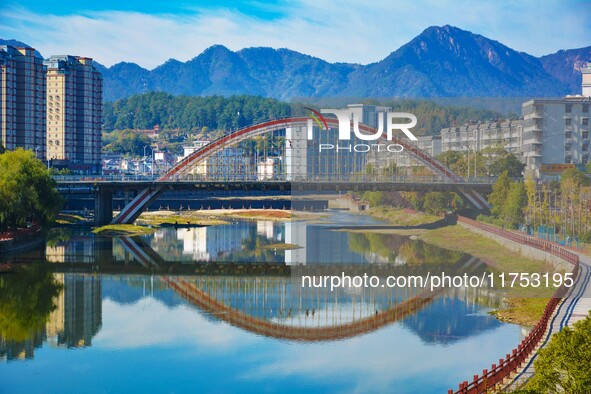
[{"x": 349, "y": 116}]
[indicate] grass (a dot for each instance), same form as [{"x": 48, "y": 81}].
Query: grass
[
  {"x": 117, "y": 230},
  {"x": 194, "y": 220},
  {"x": 68, "y": 218},
  {"x": 402, "y": 218},
  {"x": 281, "y": 246},
  {"x": 523, "y": 306},
  {"x": 253, "y": 214}
]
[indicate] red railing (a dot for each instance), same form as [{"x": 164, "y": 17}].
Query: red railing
[
  {"x": 19, "y": 233},
  {"x": 498, "y": 372}
]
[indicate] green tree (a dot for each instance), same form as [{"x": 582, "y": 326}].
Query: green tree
[
  {"x": 498, "y": 197},
  {"x": 515, "y": 204},
  {"x": 374, "y": 198},
  {"x": 436, "y": 202},
  {"x": 563, "y": 365},
  {"x": 572, "y": 178},
  {"x": 26, "y": 190},
  {"x": 509, "y": 163},
  {"x": 130, "y": 142}
]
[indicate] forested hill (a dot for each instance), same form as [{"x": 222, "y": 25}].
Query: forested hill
[
  {"x": 204, "y": 115},
  {"x": 190, "y": 114}
]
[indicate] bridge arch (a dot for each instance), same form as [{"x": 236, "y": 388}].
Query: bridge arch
[{"x": 131, "y": 211}]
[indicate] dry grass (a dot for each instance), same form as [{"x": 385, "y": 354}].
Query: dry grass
[{"x": 119, "y": 230}]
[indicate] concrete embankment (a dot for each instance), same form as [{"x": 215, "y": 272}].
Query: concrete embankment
[{"x": 558, "y": 263}]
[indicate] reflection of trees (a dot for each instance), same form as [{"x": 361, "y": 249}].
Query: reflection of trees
[
  {"x": 26, "y": 300},
  {"x": 253, "y": 251},
  {"x": 384, "y": 245},
  {"x": 58, "y": 236},
  {"x": 388, "y": 247},
  {"x": 415, "y": 252}
]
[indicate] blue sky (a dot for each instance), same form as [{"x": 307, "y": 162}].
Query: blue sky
[{"x": 149, "y": 32}]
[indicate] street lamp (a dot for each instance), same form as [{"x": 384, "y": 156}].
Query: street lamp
[
  {"x": 152, "y": 154},
  {"x": 36, "y": 149}
]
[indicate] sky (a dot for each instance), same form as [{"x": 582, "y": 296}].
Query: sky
[{"x": 149, "y": 32}]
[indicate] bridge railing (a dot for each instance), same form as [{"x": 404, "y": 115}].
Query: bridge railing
[
  {"x": 511, "y": 362},
  {"x": 280, "y": 177},
  {"x": 104, "y": 178}
]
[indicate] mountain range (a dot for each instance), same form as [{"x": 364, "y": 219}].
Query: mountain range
[{"x": 441, "y": 61}]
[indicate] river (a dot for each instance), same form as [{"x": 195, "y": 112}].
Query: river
[{"x": 215, "y": 309}]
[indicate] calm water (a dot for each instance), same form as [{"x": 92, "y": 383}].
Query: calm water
[{"x": 129, "y": 315}]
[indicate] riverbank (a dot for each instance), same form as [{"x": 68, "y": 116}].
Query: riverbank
[
  {"x": 123, "y": 230},
  {"x": 522, "y": 306},
  {"x": 214, "y": 217}
]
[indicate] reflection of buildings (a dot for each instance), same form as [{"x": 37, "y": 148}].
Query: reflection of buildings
[
  {"x": 75, "y": 321},
  {"x": 295, "y": 233},
  {"x": 206, "y": 243},
  {"x": 12, "y": 350},
  {"x": 78, "y": 316},
  {"x": 78, "y": 249},
  {"x": 270, "y": 230}
]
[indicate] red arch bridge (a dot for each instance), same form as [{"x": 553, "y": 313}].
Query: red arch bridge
[{"x": 285, "y": 158}]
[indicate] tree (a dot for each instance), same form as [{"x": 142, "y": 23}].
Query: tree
[
  {"x": 436, "y": 202},
  {"x": 130, "y": 142},
  {"x": 509, "y": 163},
  {"x": 563, "y": 365},
  {"x": 373, "y": 198},
  {"x": 572, "y": 178},
  {"x": 26, "y": 190},
  {"x": 499, "y": 194},
  {"x": 515, "y": 204}
]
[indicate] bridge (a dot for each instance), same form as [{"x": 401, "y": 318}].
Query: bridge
[{"x": 297, "y": 164}]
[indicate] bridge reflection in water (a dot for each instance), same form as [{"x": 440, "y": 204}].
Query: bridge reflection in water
[
  {"x": 262, "y": 298},
  {"x": 268, "y": 306}
]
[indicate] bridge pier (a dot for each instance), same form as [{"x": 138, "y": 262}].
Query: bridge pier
[{"x": 103, "y": 207}]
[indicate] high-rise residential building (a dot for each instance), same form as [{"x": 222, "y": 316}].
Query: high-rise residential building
[
  {"x": 74, "y": 111},
  {"x": 22, "y": 99},
  {"x": 555, "y": 132},
  {"x": 587, "y": 80}
]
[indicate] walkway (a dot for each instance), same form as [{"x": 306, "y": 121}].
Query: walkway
[{"x": 574, "y": 307}]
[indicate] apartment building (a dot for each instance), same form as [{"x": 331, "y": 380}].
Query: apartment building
[
  {"x": 478, "y": 136},
  {"x": 555, "y": 132},
  {"x": 74, "y": 113},
  {"x": 22, "y": 100}
]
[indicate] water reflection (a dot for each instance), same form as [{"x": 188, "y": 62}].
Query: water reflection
[
  {"x": 266, "y": 305},
  {"x": 239, "y": 325},
  {"x": 223, "y": 322}
]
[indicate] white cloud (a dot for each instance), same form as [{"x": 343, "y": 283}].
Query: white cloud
[
  {"x": 346, "y": 31},
  {"x": 149, "y": 322}
]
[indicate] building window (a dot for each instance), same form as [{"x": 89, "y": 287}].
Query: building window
[
  {"x": 585, "y": 121},
  {"x": 585, "y": 108},
  {"x": 568, "y": 108},
  {"x": 567, "y": 159},
  {"x": 568, "y": 134},
  {"x": 585, "y": 135},
  {"x": 568, "y": 121}
]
